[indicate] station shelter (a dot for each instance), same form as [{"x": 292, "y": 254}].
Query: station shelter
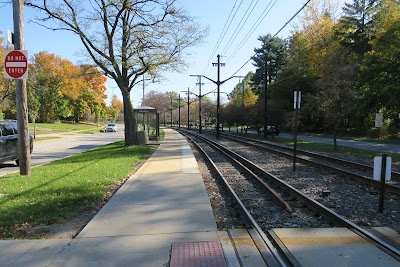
[{"x": 148, "y": 123}]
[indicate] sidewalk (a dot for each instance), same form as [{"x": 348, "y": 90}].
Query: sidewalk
[{"x": 165, "y": 201}]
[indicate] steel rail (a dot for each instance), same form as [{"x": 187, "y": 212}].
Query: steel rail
[
  {"x": 360, "y": 178},
  {"x": 311, "y": 203},
  {"x": 313, "y": 154},
  {"x": 244, "y": 211}
]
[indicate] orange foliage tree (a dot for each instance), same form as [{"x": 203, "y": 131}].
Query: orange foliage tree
[{"x": 65, "y": 90}]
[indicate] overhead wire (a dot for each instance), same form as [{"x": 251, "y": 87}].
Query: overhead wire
[
  {"x": 240, "y": 24},
  {"x": 222, "y": 35},
  {"x": 304, "y": 5},
  {"x": 253, "y": 28}
]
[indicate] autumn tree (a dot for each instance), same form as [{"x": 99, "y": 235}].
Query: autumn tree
[
  {"x": 242, "y": 95},
  {"x": 90, "y": 100},
  {"x": 380, "y": 68},
  {"x": 157, "y": 100},
  {"x": 64, "y": 89},
  {"x": 126, "y": 39},
  {"x": 115, "y": 108}
]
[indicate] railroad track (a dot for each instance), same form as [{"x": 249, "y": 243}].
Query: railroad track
[
  {"x": 252, "y": 193},
  {"x": 353, "y": 170}
]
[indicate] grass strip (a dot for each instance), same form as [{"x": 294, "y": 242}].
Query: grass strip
[
  {"x": 349, "y": 151},
  {"x": 49, "y": 128},
  {"x": 63, "y": 188}
]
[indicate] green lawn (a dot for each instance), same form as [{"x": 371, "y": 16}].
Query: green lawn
[
  {"x": 362, "y": 153},
  {"x": 64, "y": 188},
  {"x": 51, "y": 128}
]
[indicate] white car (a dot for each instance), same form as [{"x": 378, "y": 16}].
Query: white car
[{"x": 111, "y": 127}]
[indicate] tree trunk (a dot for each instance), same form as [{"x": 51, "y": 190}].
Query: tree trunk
[{"x": 129, "y": 121}]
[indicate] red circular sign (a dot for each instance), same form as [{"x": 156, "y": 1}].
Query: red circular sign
[{"x": 15, "y": 64}]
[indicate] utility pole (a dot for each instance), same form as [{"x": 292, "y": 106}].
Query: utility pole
[
  {"x": 265, "y": 98},
  {"x": 179, "y": 110},
  {"x": 21, "y": 94},
  {"x": 241, "y": 77},
  {"x": 218, "y": 83},
  {"x": 199, "y": 96},
  {"x": 143, "y": 91},
  {"x": 171, "y": 112},
  {"x": 218, "y": 90},
  {"x": 188, "y": 103}
]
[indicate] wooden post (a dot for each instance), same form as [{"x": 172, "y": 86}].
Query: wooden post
[{"x": 21, "y": 94}]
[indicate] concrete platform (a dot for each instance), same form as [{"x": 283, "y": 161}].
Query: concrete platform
[
  {"x": 332, "y": 247},
  {"x": 165, "y": 201}
]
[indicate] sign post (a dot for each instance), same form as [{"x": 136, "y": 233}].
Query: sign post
[
  {"x": 296, "y": 106},
  {"x": 378, "y": 122},
  {"x": 382, "y": 172}
]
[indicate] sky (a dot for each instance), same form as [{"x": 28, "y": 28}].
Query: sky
[{"x": 267, "y": 17}]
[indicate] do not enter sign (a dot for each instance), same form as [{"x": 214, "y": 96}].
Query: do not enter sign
[{"x": 16, "y": 64}]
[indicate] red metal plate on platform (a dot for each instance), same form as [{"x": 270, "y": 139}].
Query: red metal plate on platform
[{"x": 197, "y": 254}]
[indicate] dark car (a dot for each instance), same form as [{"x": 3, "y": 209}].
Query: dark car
[
  {"x": 9, "y": 141},
  {"x": 271, "y": 130}
]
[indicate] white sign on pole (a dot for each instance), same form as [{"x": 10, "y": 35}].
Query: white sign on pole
[
  {"x": 296, "y": 99},
  {"x": 378, "y": 168},
  {"x": 378, "y": 120}
]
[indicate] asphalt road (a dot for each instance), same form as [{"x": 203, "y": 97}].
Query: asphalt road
[{"x": 53, "y": 149}]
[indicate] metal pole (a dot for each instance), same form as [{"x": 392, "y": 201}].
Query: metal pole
[
  {"x": 218, "y": 98},
  {"x": 179, "y": 111},
  {"x": 295, "y": 140},
  {"x": 171, "y": 112},
  {"x": 200, "y": 96},
  {"x": 296, "y": 105},
  {"x": 143, "y": 92},
  {"x": 265, "y": 99},
  {"x": 243, "y": 94},
  {"x": 383, "y": 179},
  {"x": 188, "y": 103},
  {"x": 21, "y": 94}
]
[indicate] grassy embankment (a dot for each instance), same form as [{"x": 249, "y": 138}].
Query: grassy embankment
[
  {"x": 45, "y": 131},
  {"x": 63, "y": 189}
]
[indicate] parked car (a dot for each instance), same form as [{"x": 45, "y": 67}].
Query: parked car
[
  {"x": 111, "y": 127},
  {"x": 214, "y": 126},
  {"x": 9, "y": 141},
  {"x": 272, "y": 130}
]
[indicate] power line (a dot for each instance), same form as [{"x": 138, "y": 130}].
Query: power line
[
  {"x": 275, "y": 34},
  {"x": 222, "y": 35},
  {"x": 233, "y": 36},
  {"x": 253, "y": 28}
]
